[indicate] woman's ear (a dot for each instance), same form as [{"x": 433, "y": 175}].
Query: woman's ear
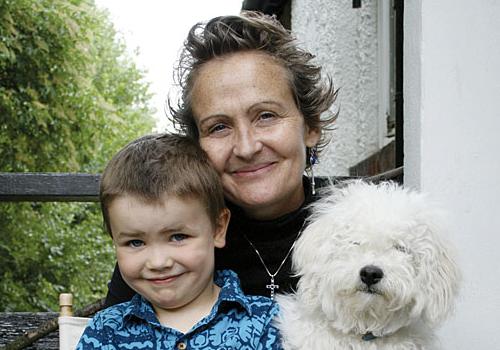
[
  {"x": 221, "y": 228},
  {"x": 311, "y": 136}
]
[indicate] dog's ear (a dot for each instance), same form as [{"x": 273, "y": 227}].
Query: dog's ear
[
  {"x": 438, "y": 274},
  {"x": 315, "y": 247},
  {"x": 317, "y": 242},
  {"x": 305, "y": 252}
]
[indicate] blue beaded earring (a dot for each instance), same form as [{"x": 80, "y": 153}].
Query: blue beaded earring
[{"x": 313, "y": 160}]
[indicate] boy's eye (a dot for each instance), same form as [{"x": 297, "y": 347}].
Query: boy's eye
[
  {"x": 135, "y": 243},
  {"x": 178, "y": 237}
]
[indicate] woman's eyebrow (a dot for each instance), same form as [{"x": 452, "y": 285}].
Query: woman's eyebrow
[
  {"x": 249, "y": 109},
  {"x": 264, "y": 103}
]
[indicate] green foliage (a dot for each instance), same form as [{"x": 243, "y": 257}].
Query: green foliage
[
  {"x": 70, "y": 97},
  {"x": 53, "y": 248}
]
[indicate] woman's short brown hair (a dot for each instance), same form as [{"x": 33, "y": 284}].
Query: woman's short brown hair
[
  {"x": 155, "y": 165},
  {"x": 253, "y": 31}
]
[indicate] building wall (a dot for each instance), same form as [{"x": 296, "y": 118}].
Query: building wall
[
  {"x": 452, "y": 122},
  {"x": 344, "y": 41}
]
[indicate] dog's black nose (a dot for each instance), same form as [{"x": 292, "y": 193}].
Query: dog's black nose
[{"x": 371, "y": 275}]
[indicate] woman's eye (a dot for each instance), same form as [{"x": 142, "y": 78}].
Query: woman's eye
[
  {"x": 135, "y": 243},
  {"x": 217, "y": 128},
  {"x": 178, "y": 237},
  {"x": 266, "y": 115}
]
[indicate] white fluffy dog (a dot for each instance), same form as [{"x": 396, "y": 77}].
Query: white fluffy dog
[{"x": 374, "y": 272}]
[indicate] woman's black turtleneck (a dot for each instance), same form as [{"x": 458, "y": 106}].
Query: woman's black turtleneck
[{"x": 272, "y": 238}]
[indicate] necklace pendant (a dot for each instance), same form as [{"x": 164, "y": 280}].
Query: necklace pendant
[{"x": 272, "y": 287}]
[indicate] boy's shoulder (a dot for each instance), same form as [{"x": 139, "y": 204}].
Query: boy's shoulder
[
  {"x": 112, "y": 316},
  {"x": 117, "y": 325},
  {"x": 115, "y": 317}
]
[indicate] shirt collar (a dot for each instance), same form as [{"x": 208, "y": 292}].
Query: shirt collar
[
  {"x": 140, "y": 308},
  {"x": 231, "y": 291}
]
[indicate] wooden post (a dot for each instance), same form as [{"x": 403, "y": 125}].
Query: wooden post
[{"x": 65, "y": 304}]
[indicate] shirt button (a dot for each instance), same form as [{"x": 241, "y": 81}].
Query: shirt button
[{"x": 181, "y": 346}]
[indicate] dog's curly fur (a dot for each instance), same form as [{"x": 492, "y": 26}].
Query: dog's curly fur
[{"x": 375, "y": 272}]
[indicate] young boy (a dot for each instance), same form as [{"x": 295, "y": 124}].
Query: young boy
[{"x": 163, "y": 206}]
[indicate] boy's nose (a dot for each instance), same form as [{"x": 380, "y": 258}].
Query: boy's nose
[{"x": 159, "y": 259}]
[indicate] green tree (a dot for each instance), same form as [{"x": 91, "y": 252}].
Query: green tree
[{"x": 70, "y": 97}]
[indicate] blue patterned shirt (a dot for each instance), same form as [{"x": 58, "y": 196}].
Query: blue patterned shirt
[{"x": 236, "y": 321}]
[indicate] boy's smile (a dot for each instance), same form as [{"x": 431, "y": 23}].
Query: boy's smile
[
  {"x": 165, "y": 249},
  {"x": 164, "y": 280}
]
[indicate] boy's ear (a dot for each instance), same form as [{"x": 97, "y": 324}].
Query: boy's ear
[{"x": 221, "y": 228}]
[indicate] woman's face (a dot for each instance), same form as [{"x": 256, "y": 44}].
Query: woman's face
[{"x": 253, "y": 132}]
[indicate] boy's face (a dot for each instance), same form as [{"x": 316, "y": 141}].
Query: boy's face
[{"x": 165, "y": 250}]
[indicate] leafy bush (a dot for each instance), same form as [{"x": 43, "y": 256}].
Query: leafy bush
[
  {"x": 70, "y": 97},
  {"x": 52, "y": 248}
]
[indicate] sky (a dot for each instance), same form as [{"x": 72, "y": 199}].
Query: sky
[{"x": 156, "y": 29}]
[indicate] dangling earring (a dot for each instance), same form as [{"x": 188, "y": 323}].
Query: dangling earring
[{"x": 313, "y": 160}]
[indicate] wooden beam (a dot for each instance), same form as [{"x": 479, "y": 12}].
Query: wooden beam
[
  {"x": 78, "y": 187},
  {"x": 49, "y": 187},
  {"x": 395, "y": 175}
]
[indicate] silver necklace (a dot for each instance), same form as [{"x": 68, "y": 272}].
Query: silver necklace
[{"x": 272, "y": 286}]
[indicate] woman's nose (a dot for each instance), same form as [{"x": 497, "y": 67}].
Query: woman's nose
[{"x": 247, "y": 143}]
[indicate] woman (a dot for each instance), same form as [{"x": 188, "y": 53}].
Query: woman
[{"x": 253, "y": 100}]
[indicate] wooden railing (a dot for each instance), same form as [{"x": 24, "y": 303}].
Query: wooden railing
[
  {"x": 49, "y": 187},
  {"x": 77, "y": 187}
]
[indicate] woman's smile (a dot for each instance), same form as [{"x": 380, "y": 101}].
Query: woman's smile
[{"x": 253, "y": 170}]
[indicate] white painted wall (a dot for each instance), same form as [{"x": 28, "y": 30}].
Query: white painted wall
[
  {"x": 452, "y": 145},
  {"x": 452, "y": 126},
  {"x": 344, "y": 41}
]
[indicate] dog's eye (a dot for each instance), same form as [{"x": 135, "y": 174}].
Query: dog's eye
[
  {"x": 401, "y": 248},
  {"x": 355, "y": 243}
]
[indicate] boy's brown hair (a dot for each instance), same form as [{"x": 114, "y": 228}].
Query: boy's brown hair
[{"x": 155, "y": 165}]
